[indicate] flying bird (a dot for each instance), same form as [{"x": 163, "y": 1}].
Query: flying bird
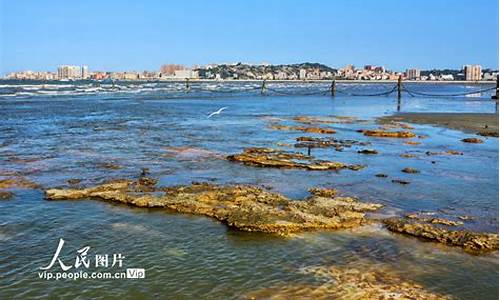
[{"x": 216, "y": 112}]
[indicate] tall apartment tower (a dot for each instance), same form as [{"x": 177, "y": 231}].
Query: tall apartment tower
[
  {"x": 72, "y": 72},
  {"x": 412, "y": 74},
  {"x": 85, "y": 72},
  {"x": 472, "y": 72}
]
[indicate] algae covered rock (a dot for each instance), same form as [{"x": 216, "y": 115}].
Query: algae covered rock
[
  {"x": 473, "y": 140},
  {"x": 372, "y": 281},
  {"x": 389, "y": 134},
  {"x": 244, "y": 207},
  {"x": 17, "y": 182},
  {"x": 413, "y": 143},
  {"x": 320, "y": 130},
  {"x": 447, "y": 152},
  {"x": 440, "y": 221},
  {"x": 469, "y": 241},
  {"x": 272, "y": 158},
  {"x": 410, "y": 170},
  {"x": 314, "y": 142},
  {"x": 6, "y": 195},
  {"x": 323, "y": 192}
]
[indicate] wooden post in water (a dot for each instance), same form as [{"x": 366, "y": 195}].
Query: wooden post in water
[
  {"x": 400, "y": 86},
  {"x": 333, "y": 87},
  {"x": 496, "y": 93},
  {"x": 263, "y": 88},
  {"x": 188, "y": 87}
]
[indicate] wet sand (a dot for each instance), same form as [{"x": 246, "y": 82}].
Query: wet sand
[{"x": 480, "y": 123}]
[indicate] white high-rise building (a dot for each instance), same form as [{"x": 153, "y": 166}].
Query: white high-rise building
[
  {"x": 412, "y": 74},
  {"x": 85, "y": 72},
  {"x": 72, "y": 72},
  {"x": 302, "y": 74},
  {"x": 472, "y": 72}
]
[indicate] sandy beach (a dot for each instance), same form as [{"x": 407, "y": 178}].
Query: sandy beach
[{"x": 480, "y": 123}]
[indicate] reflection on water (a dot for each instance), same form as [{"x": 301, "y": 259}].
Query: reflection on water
[{"x": 97, "y": 136}]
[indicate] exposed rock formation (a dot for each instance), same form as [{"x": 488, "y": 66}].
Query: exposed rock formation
[
  {"x": 109, "y": 166},
  {"x": 440, "y": 221},
  {"x": 473, "y": 140},
  {"x": 389, "y": 134},
  {"x": 321, "y": 130},
  {"x": 312, "y": 142},
  {"x": 17, "y": 182},
  {"x": 243, "y": 207},
  {"x": 6, "y": 195},
  {"x": 447, "y": 152},
  {"x": 368, "y": 151},
  {"x": 400, "y": 181},
  {"x": 272, "y": 158},
  {"x": 470, "y": 241},
  {"x": 410, "y": 170},
  {"x": 325, "y": 120},
  {"x": 488, "y": 133},
  {"x": 323, "y": 192}
]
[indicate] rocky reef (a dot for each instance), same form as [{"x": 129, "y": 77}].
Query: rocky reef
[
  {"x": 6, "y": 195},
  {"x": 326, "y": 119},
  {"x": 447, "y": 152},
  {"x": 434, "y": 220},
  {"x": 323, "y": 192},
  {"x": 17, "y": 182},
  {"x": 243, "y": 207},
  {"x": 488, "y": 133},
  {"x": 427, "y": 229},
  {"x": 410, "y": 170},
  {"x": 389, "y": 134},
  {"x": 313, "y": 142},
  {"x": 473, "y": 140},
  {"x": 400, "y": 181},
  {"x": 349, "y": 282},
  {"x": 320, "y": 130},
  {"x": 272, "y": 158},
  {"x": 413, "y": 143}
]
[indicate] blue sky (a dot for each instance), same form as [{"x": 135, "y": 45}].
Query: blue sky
[{"x": 138, "y": 35}]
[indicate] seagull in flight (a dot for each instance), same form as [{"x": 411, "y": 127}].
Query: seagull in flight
[{"x": 216, "y": 112}]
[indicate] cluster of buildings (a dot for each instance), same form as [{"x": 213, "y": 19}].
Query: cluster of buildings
[
  {"x": 368, "y": 72},
  {"x": 32, "y": 75},
  {"x": 305, "y": 71},
  {"x": 468, "y": 73},
  {"x": 240, "y": 71},
  {"x": 65, "y": 72}
]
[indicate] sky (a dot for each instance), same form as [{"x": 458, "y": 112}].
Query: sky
[{"x": 142, "y": 35}]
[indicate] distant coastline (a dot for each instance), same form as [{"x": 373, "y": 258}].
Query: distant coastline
[{"x": 357, "y": 81}]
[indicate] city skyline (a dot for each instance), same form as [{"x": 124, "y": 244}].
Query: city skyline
[
  {"x": 235, "y": 71},
  {"x": 39, "y": 36}
]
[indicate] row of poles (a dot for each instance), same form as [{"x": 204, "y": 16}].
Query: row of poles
[{"x": 333, "y": 88}]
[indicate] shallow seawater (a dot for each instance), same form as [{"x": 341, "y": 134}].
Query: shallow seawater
[{"x": 81, "y": 133}]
